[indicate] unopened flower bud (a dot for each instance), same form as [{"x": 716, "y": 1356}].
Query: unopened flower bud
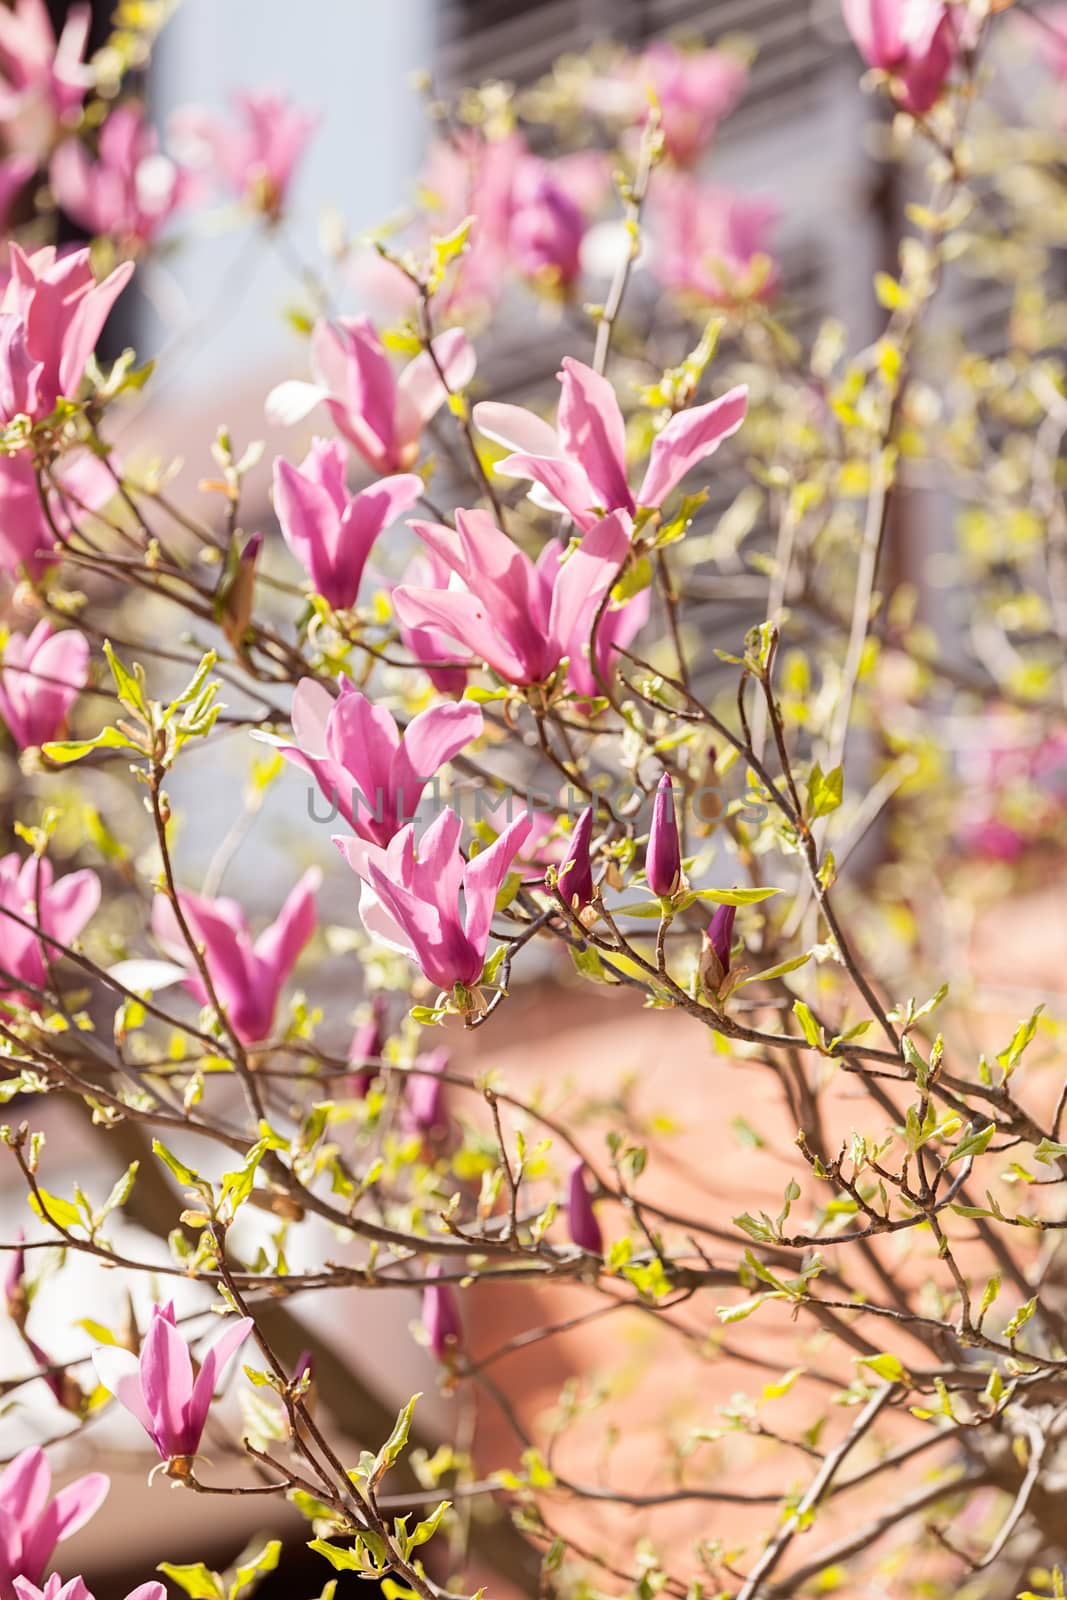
[
  {"x": 423, "y": 1109},
  {"x": 663, "y": 855},
  {"x": 366, "y": 1048},
  {"x": 235, "y": 601},
  {"x": 14, "y": 1282},
  {"x": 575, "y": 875},
  {"x": 440, "y": 1318},
  {"x": 715, "y": 950},
  {"x": 581, "y": 1219}
]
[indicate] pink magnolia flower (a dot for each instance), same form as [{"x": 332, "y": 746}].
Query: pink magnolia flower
[
  {"x": 27, "y": 539},
  {"x": 381, "y": 414},
  {"x": 42, "y": 79},
  {"x": 580, "y": 465},
  {"x": 663, "y": 854},
  {"x": 258, "y": 157},
  {"x": 31, "y": 1524},
  {"x": 694, "y": 89},
  {"x": 130, "y": 190},
  {"x": 915, "y": 41},
  {"x": 51, "y": 315},
  {"x": 411, "y": 898},
  {"x": 158, "y": 1387},
  {"x": 520, "y": 617},
  {"x": 446, "y": 664},
  {"x": 582, "y": 1224},
  {"x": 547, "y": 225},
  {"x": 329, "y": 530},
  {"x": 711, "y": 242},
  {"x": 373, "y": 773},
  {"x": 248, "y": 974},
  {"x": 59, "y": 906},
  {"x": 75, "y": 1589},
  {"x": 40, "y": 679}
]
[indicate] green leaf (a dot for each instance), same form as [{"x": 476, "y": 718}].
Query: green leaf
[
  {"x": 972, "y": 1144},
  {"x": 197, "y": 1581},
  {"x": 1010, "y": 1056},
  {"x": 1048, "y": 1151},
  {"x": 67, "y": 750},
  {"x": 426, "y": 1529},
  {"x": 735, "y": 897},
  {"x": 824, "y": 791},
  {"x": 886, "y": 1366},
  {"x": 255, "y": 1567},
  {"x": 777, "y": 972},
  {"x": 743, "y": 1309},
  {"x": 393, "y": 1447},
  {"x": 121, "y": 1191},
  {"x": 340, "y": 1559},
  {"x": 130, "y": 686},
  {"x": 1021, "y": 1318},
  {"x": 808, "y": 1026},
  {"x": 50, "y": 1208}
]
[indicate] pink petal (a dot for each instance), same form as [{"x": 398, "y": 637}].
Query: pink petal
[
  {"x": 565, "y": 484},
  {"x": 278, "y": 947},
  {"x": 592, "y": 432},
  {"x": 689, "y": 437},
  {"x": 484, "y": 875},
  {"x": 167, "y": 1386},
  {"x": 213, "y": 1370},
  {"x": 516, "y": 429},
  {"x": 430, "y": 739},
  {"x": 585, "y": 578}
]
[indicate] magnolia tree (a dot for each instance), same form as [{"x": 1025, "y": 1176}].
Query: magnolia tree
[{"x": 765, "y": 831}]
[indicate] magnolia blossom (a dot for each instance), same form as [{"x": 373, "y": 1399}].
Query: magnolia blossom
[
  {"x": 914, "y": 41},
  {"x": 580, "y": 465},
  {"x": 582, "y": 1224},
  {"x": 715, "y": 949},
  {"x": 60, "y": 907},
  {"x": 373, "y": 773},
  {"x": 711, "y": 242},
  {"x": 32, "y": 1524},
  {"x": 257, "y": 155},
  {"x": 51, "y": 315},
  {"x": 42, "y": 80},
  {"x": 520, "y": 617},
  {"x": 158, "y": 1387},
  {"x": 75, "y": 1589},
  {"x": 381, "y": 414},
  {"x": 329, "y": 530},
  {"x": 411, "y": 899},
  {"x": 547, "y": 225},
  {"x": 663, "y": 854},
  {"x": 40, "y": 679},
  {"x": 130, "y": 190},
  {"x": 247, "y": 974},
  {"x": 694, "y": 90}
]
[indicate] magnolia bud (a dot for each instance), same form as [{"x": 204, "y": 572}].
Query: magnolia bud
[
  {"x": 575, "y": 875},
  {"x": 581, "y": 1220},
  {"x": 663, "y": 854},
  {"x": 440, "y": 1318},
  {"x": 715, "y": 950},
  {"x": 236, "y": 592},
  {"x": 366, "y": 1047}
]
